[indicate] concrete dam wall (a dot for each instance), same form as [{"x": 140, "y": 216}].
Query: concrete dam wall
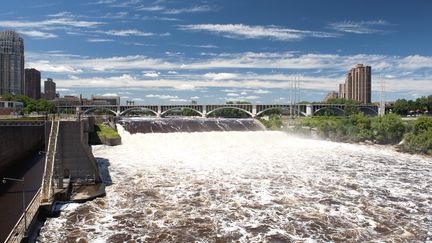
[
  {"x": 19, "y": 141},
  {"x": 74, "y": 155}
]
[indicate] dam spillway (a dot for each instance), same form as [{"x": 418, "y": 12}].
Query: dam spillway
[
  {"x": 176, "y": 124},
  {"x": 251, "y": 186}
]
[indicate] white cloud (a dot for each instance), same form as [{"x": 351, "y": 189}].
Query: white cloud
[
  {"x": 220, "y": 76},
  {"x": 110, "y": 94},
  {"x": 162, "y": 97},
  {"x": 151, "y": 8},
  {"x": 98, "y": 40},
  {"x": 194, "y": 97},
  {"x": 38, "y": 34},
  {"x": 232, "y": 94},
  {"x": 184, "y": 86},
  {"x": 50, "y": 23},
  {"x": 272, "y": 70},
  {"x": 361, "y": 27},
  {"x": 151, "y": 74},
  {"x": 252, "y": 97},
  {"x": 193, "y": 9},
  {"x": 242, "y": 31},
  {"x": 63, "y": 90},
  {"x": 178, "y": 100},
  {"x": 128, "y": 32},
  {"x": 261, "y": 91}
]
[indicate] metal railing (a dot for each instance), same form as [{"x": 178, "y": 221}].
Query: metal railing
[
  {"x": 47, "y": 184},
  {"x": 19, "y": 231}
]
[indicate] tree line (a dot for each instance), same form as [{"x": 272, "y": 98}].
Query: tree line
[
  {"x": 31, "y": 105},
  {"x": 422, "y": 105}
]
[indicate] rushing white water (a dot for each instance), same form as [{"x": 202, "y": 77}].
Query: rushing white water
[{"x": 251, "y": 187}]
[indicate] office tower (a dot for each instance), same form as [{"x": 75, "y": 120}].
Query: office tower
[
  {"x": 11, "y": 63},
  {"x": 32, "y": 86},
  {"x": 357, "y": 84},
  {"x": 50, "y": 89}
]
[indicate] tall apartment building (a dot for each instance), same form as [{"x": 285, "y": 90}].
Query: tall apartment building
[
  {"x": 357, "y": 84},
  {"x": 50, "y": 89},
  {"x": 32, "y": 86},
  {"x": 11, "y": 63}
]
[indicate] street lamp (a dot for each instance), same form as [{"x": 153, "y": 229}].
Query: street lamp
[{"x": 5, "y": 179}]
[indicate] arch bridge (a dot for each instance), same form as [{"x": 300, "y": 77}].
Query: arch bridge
[{"x": 253, "y": 110}]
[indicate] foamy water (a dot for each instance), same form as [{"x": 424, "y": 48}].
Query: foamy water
[{"x": 251, "y": 187}]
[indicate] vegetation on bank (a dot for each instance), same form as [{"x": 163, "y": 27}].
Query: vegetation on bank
[
  {"x": 416, "y": 136},
  {"x": 272, "y": 122},
  {"x": 106, "y": 132},
  {"x": 419, "y": 138},
  {"x": 31, "y": 105}
]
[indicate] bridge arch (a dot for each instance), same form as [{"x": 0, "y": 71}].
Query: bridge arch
[
  {"x": 368, "y": 111},
  {"x": 175, "y": 108},
  {"x": 99, "y": 108},
  {"x": 282, "y": 108},
  {"x": 230, "y": 107},
  {"x": 332, "y": 108},
  {"x": 138, "y": 109}
]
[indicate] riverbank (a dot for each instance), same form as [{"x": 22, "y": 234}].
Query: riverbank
[
  {"x": 104, "y": 134},
  {"x": 412, "y": 136}
]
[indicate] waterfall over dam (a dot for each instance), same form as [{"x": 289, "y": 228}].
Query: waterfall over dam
[
  {"x": 166, "y": 125},
  {"x": 250, "y": 186}
]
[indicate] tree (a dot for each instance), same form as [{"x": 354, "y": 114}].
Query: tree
[
  {"x": 31, "y": 105},
  {"x": 388, "y": 129},
  {"x": 401, "y": 107}
]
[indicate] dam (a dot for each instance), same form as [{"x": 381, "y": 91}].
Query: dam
[
  {"x": 249, "y": 186},
  {"x": 42, "y": 163}
]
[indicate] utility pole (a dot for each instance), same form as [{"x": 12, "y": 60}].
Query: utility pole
[
  {"x": 295, "y": 96},
  {"x": 291, "y": 96},
  {"x": 382, "y": 101},
  {"x": 298, "y": 97}
]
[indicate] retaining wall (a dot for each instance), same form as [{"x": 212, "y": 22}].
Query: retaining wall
[{"x": 17, "y": 142}]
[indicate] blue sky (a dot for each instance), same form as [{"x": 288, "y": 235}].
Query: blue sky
[{"x": 165, "y": 51}]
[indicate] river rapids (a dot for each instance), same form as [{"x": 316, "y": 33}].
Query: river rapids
[{"x": 251, "y": 186}]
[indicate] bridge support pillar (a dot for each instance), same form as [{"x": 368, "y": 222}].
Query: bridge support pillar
[
  {"x": 159, "y": 111},
  {"x": 118, "y": 110},
  {"x": 309, "y": 110},
  {"x": 204, "y": 111},
  {"x": 254, "y": 111}
]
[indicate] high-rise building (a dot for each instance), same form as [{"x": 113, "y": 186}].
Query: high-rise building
[
  {"x": 357, "y": 84},
  {"x": 32, "y": 86},
  {"x": 50, "y": 89},
  {"x": 11, "y": 63},
  {"x": 330, "y": 96}
]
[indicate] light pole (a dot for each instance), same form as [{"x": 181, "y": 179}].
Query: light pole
[{"x": 5, "y": 179}]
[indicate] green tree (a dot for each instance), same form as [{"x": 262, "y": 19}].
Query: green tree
[
  {"x": 420, "y": 139},
  {"x": 388, "y": 129},
  {"x": 401, "y": 107}
]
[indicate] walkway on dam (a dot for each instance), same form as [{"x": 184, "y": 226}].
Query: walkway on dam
[{"x": 11, "y": 197}]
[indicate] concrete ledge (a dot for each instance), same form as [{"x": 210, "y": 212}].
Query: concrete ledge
[{"x": 85, "y": 193}]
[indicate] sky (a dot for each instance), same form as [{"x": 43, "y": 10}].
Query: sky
[{"x": 172, "y": 52}]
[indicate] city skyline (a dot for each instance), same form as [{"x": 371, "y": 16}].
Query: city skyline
[{"x": 218, "y": 51}]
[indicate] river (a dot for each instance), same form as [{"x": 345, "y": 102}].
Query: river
[{"x": 251, "y": 186}]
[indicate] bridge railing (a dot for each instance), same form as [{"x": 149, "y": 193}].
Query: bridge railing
[{"x": 20, "y": 229}]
